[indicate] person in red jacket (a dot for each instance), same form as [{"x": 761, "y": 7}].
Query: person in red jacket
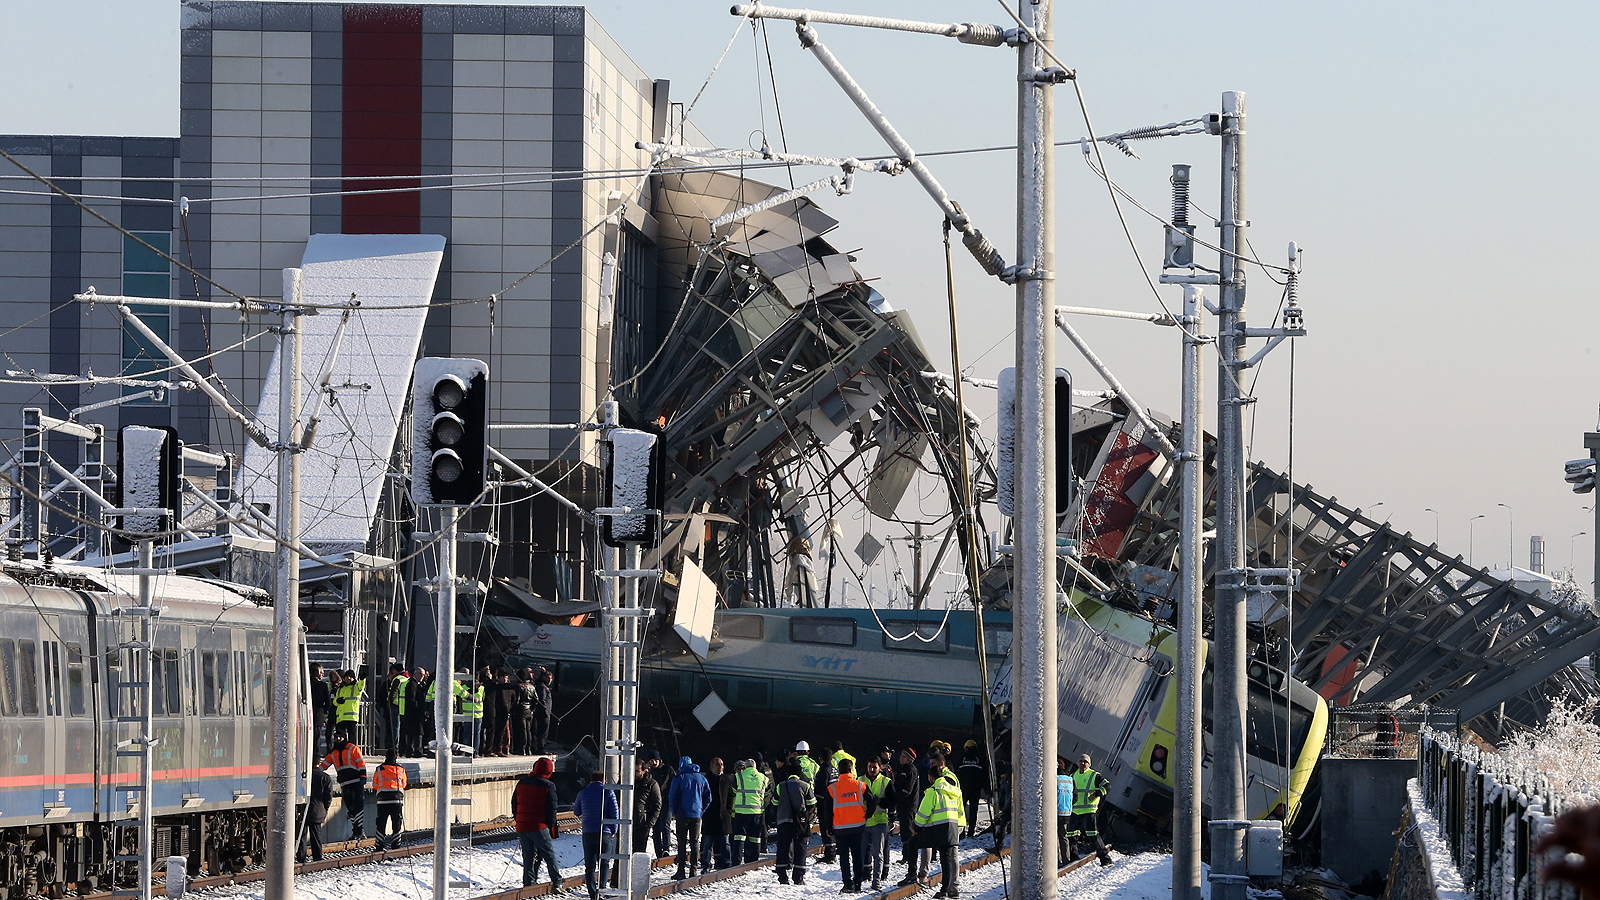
[{"x": 533, "y": 804}]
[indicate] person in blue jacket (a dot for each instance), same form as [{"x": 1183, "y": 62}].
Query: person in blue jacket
[
  {"x": 1063, "y": 808},
  {"x": 593, "y": 804},
  {"x": 688, "y": 798}
]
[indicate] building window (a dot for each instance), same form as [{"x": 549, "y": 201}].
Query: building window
[{"x": 146, "y": 274}]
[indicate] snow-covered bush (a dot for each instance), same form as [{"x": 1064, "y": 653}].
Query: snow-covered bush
[{"x": 1563, "y": 750}]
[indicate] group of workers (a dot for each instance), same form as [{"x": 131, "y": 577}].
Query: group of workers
[
  {"x": 724, "y": 815},
  {"x": 501, "y": 714}
]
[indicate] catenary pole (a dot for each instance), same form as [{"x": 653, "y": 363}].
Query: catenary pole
[
  {"x": 444, "y": 698},
  {"x": 286, "y": 606},
  {"x": 1186, "y": 813},
  {"x": 1229, "y": 816},
  {"x": 1034, "y": 740},
  {"x": 147, "y": 600}
]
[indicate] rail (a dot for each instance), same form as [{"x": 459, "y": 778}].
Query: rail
[{"x": 1490, "y": 813}]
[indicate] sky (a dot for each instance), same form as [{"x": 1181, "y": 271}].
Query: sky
[{"x": 1435, "y": 164}]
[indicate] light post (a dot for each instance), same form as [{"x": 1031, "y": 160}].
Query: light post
[
  {"x": 1471, "y": 525},
  {"x": 1511, "y": 534},
  {"x": 1435, "y": 525}
]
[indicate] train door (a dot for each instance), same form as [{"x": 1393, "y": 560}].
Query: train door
[
  {"x": 52, "y": 708},
  {"x": 78, "y": 724}
]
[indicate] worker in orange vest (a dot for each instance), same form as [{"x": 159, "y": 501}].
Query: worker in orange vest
[
  {"x": 390, "y": 783},
  {"x": 352, "y": 777},
  {"x": 850, "y": 825}
]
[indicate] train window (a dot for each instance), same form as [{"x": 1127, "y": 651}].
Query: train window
[
  {"x": 175, "y": 695},
  {"x": 52, "y": 678},
  {"x": 158, "y": 684},
  {"x": 917, "y": 637},
  {"x": 75, "y": 698},
  {"x": 258, "y": 684},
  {"x": 1270, "y": 738},
  {"x": 239, "y": 683},
  {"x": 8, "y": 678},
  {"x": 840, "y": 632},
  {"x": 742, "y": 627},
  {"x": 224, "y": 684},
  {"x": 997, "y": 639},
  {"x": 208, "y": 683},
  {"x": 113, "y": 678},
  {"x": 28, "y": 681}
]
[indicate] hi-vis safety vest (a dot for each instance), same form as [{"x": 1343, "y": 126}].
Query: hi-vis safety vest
[
  {"x": 473, "y": 705},
  {"x": 1063, "y": 795},
  {"x": 849, "y": 810},
  {"x": 352, "y": 769},
  {"x": 390, "y": 783},
  {"x": 808, "y": 767},
  {"x": 397, "y": 692},
  {"x": 877, "y": 786},
  {"x": 941, "y": 802},
  {"x": 1088, "y": 786},
  {"x": 347, "y": 701},
  {"x": 749, "y": 791}
]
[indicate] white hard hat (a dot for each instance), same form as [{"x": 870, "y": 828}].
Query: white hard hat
[{"x": 802, "y": 747}]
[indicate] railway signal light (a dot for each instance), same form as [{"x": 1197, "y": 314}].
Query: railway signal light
[
  {"x": 450, "y": 431},
  {"x": 632, "y": 467},
  {"x": 1580, "y": 474},
  {"x": 149, "y": 466}
]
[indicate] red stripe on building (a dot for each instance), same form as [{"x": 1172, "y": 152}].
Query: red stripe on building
[{"x": 382, "y": 119}]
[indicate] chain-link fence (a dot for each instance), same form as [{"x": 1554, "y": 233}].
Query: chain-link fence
[
  {"x": 1490, "y": 813},
  {"x": 1369, "y": 731}
]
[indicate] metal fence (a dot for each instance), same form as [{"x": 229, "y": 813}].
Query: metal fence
[
  {"x": 1370, "y": 731},
  {"x": 1490, "y": 814}
]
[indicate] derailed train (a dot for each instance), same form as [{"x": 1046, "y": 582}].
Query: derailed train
[{"x": 63, "y": 784}]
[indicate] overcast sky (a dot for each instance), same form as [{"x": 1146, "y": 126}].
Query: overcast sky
[{"x": 1435, "y": 162}]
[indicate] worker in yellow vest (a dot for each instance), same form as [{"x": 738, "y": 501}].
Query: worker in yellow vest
[
  {"x": 938, "y": 823},
  {"x": 347, "y": 703},
  {"x": 750, "y": 789},
  {"x": 472, "y": 705},
  {"x": 1088, "y": 786},
  {"x": 881, "y": 799}
]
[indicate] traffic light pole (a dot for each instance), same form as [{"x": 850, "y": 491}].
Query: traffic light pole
[
  {"x": 286, "y": 608},
  {"x": 444, "y": 698}
]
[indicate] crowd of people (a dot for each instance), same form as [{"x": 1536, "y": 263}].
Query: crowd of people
[
  {"x": 725, "y": 815},
  {"x": 503, "y": 713}
]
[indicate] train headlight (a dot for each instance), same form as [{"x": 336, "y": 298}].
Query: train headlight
[{"x": 1158, "y": 761}]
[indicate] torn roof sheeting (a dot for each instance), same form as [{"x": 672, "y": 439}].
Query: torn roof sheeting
[
  {"x": 781, "y": 241},
  {"x": 392, "y": 275}
]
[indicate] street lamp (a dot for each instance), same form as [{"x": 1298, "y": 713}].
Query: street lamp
[
  {"x": 1471, "y": 541},
  {"x": 1435, "y": 525},
  {"x": 1511, "y": 534},
  {"x": 1572, "y": 559}
]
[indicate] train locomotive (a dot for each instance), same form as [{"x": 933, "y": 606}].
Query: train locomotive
[{"x": 68, "y": 697}]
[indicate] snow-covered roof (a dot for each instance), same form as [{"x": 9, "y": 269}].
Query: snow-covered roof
[{"x": 392, "y": 276}]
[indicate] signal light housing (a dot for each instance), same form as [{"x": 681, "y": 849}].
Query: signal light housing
[
  {"x": 450, "y": 431},
  {"x": 149, "y": 467},
  {"x": 1158, "y": 761}
]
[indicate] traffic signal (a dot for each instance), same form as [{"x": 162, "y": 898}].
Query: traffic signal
[
  {"x": 1580, "y": 474},
  {"x": 149, "y": 466},
  {"x": 632, "y": 469},
  {"x": 1006, "y": 445},
  {"x": 450, "y": 431}
]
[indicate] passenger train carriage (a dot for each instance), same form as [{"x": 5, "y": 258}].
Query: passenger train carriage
[{"x": 60, "y": 704}]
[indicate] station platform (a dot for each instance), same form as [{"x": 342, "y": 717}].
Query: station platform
[
  {"x": 480, "y": 790},
  {"x": 462, "y": 769}
]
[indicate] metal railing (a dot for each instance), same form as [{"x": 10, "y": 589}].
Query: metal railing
[
  {"x": 1371, "y": 731},
  {"x": 1490, "y": 813}
]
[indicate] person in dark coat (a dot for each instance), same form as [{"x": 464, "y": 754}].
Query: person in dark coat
[
  {"x": 533, "y": 804},
  {"x": 662, "y": 831},
  {"x": 713, "y": 834},
  {"x": 321, "y": 707},
  {"x": 543, "y": 711},
  {"x": 908, "y": 790},
  {"x": 524, "y": 700},
  {"x": 593, "y": 805},
  {"x": 420, "y": 710},
  {"x": 317, "y": 804},
  {"x": 973, "y": 773},
  {"x": 688, "y": 798},
  {"x": 646, "y": 806}
]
